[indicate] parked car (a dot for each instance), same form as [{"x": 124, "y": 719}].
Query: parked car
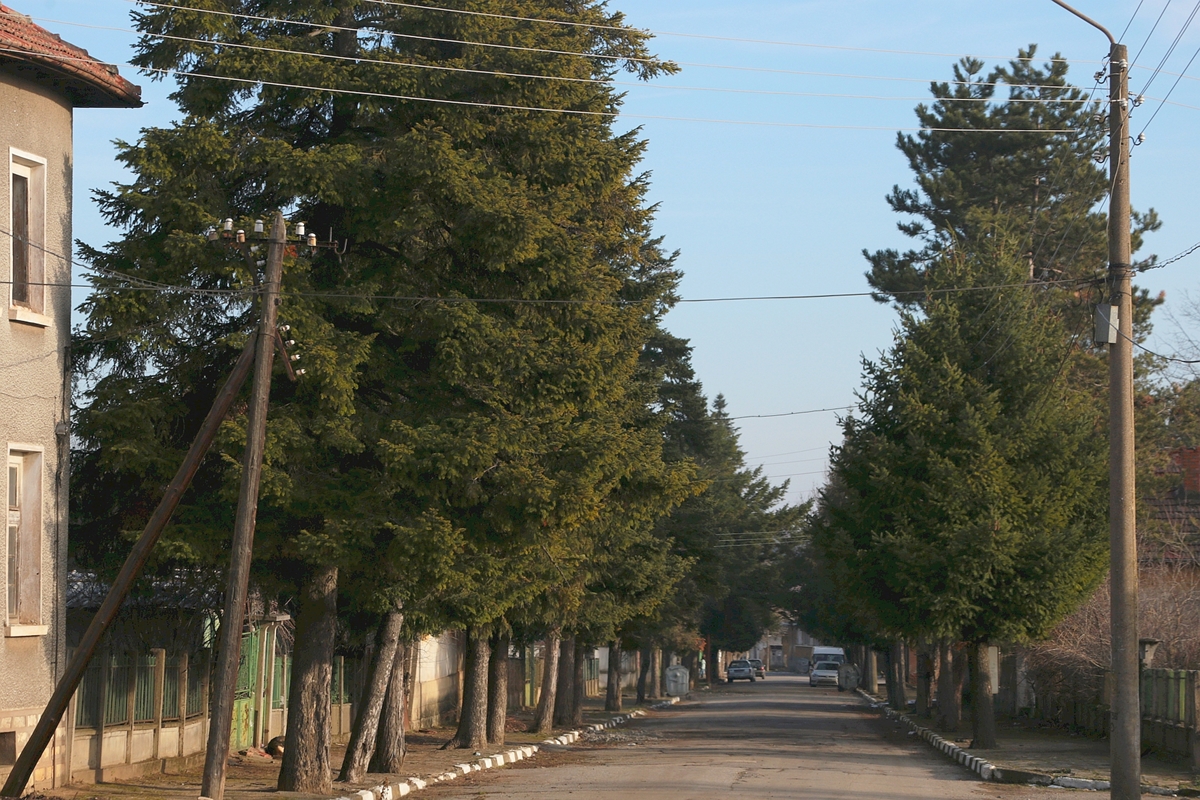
[
  {"x": 740, "y": 670},
  {"x": 824, "y": 673},
  {"x": 759, "y": 670}
]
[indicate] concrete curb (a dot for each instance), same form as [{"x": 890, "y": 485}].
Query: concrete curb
[
  {"x": 990, "y": 772},
  {"x": 391, "y": 791}
]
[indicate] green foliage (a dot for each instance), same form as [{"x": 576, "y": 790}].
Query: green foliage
[
  {"x": 967, "y": 498},
  {"x": 444, "y": 453}
]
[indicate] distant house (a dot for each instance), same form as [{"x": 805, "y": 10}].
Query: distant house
[{"x": 42, "y": 81}]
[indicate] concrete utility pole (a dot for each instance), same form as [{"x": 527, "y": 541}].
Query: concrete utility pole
[
  {"x": 225, "y": 680},
  {"x": 1126, "y": 723}
]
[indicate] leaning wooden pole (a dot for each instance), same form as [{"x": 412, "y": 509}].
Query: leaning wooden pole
[{"x": 78, "y": 663}]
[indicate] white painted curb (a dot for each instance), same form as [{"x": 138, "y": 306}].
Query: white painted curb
[
  {"x": 977, "y": 765},
  {"x": 392, "y": 791},
  {"x": 988, "y": 771}
]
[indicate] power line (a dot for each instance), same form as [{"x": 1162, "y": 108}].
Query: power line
[
  {"x": 1172, "y": 359},
  {"x": 1148, "y": 35},
  {"x": 791, "y": 413},
  {"x": 1166, "y": 99},
  {"x": 1175, "y": 43},
  {"x": 795, "y": 452},
  {"x": 539, "y": 109},
  {"x": 1131, "y": 19},
  {"x": 630, "y": 29},
  {"x": 566, "y": 79},
  {"x": 1172, "y": 259},
  {"x": 599, "y": 56},
  {"x": 147, "y": 285}
]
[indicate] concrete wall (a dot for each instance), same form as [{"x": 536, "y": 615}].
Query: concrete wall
[
  {"x": 32, "y": 365},
  {"x": 437, "y": 680}
]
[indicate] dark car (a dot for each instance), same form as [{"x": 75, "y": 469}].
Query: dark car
[{"x": 759, "y": 670}]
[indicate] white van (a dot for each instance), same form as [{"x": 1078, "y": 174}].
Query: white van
[{"x": 836, "y": 654}]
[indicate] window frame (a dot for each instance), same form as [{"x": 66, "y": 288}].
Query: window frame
[
  {"x": 32, "y": 309},
  {"x": 26, "y": 618}
]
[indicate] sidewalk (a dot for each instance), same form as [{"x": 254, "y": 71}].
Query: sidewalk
[
  {"x": 249, "y": 777},
  {"x": 1041, "y": 748}
]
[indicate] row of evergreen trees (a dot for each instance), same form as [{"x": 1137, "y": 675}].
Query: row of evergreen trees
[
  {"x": 495, "y": 433},
  {"x": 967, "y": 501}
]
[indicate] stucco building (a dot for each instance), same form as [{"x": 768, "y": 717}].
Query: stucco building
[{"x": 42, "y": 81}]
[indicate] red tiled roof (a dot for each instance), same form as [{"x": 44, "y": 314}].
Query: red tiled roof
[{"x": 33, "y": 52}]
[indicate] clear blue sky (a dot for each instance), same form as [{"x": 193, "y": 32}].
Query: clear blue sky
[{"x": 769, "y": 210}]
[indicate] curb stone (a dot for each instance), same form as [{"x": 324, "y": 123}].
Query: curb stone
[
  {"x": 990, "y": 772},
  {"x": 393, "y": 791}
]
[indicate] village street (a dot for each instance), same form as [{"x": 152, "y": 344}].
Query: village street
[{"x": 774, "y": 739}]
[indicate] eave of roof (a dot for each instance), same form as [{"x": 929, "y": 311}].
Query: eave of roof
[{"x": 31, "y": 52}]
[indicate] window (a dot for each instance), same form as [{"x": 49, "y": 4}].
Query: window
[
  {"x": 27, "y": 206},
  {"x": 23, "y": 544}
]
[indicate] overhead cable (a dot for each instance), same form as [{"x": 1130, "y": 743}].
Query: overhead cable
[
  {"x": 540, "y": 109},
  {"x": 1170, "y": 50},
  {"x": 710, "y": 37},
  {"x": 568, "y": 79}
]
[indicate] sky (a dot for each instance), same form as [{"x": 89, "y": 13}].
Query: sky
[{"x": 765, "y": 189}]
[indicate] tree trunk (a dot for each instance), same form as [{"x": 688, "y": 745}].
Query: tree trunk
[
  {"x": 657, "y": 672},
  {"x": 565, "y": 692},
  {"x": 898, "y": 664},
  {"x": 390, "y": 747},
  {"x": 690, "y": 661},
  {"x": 983, "y": 713},
  {"x": 543, "y": 722},
  {"x": 712, "y": 668},
  {"x": 949, "y": 697},
  {"x": 645, "y": 662},
  {"x": 612, "y": 692},
  {"x": 472, "y": 722},
  {"x": 366, "y": 724},
  {"x": 924, "y": 681},
  {"x": 579, "y": 661},
  {"x": 870, "y": 672},
  {"x": 306, "y": 765},
  {"x": 889, "y": 675},
  {"x": 498, "y": 689}
]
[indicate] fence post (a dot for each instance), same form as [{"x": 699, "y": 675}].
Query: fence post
[
  {"x": 181, "y": 697},
  {"x": 131, "y": 672},
  {"x": 1192, "y": 725},
  {"x": 205, "y": 672},
  {"x": 160, "y": 676}
]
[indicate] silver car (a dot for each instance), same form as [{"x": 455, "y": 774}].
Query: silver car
[
  {"x": 824, "y": 673},
  {"x": 739, "y": 670}
]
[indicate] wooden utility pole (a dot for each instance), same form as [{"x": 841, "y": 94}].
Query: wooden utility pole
[
  {"x": 225, "y": 680},
  {"x": 1125, "y": 739},
  {"x": 43, "y": 732}
]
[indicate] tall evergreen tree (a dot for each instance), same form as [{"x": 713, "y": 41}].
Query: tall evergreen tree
[
  {"x": 475, "y": 426},
  {"x": 965, "y": 500},
  {"x": 1049, "y": 184}
]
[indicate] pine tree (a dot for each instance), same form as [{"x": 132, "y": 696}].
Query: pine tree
[{"x": 965, "y": 500}]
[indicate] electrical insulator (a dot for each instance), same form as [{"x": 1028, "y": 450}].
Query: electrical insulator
[
  {"x": 312, "y": 240},
  {"x": 285, "y": 328},
  {"x": 258, "y": 226},
  {"x": 228, "y": 225},
  {"x": 241, "y": 236},
  {"x": 299, "y": 228},
  {"x": 295, "y": 357},
  {"x": 290, "y": 343},
  {"x": 300, "y": 372},
  {"x": 213, "y": 235}
]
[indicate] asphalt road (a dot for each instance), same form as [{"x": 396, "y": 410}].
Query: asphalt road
[{"x": 777, "y": 738}]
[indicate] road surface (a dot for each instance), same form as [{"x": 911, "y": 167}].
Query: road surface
[{"x": 773, "y": 739}]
